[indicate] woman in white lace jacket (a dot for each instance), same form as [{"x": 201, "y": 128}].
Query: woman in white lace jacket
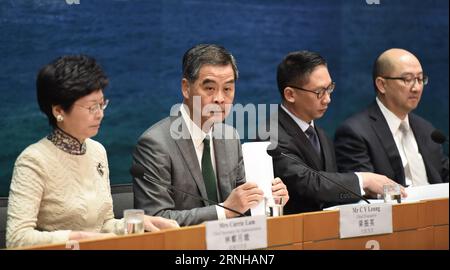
[{"x": 60, "y": 185}]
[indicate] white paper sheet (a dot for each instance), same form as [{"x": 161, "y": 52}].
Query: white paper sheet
[
  {"x": 426, "y": 192},
  {"x": 415, "y": 194},
  {"x": 259, "y": 170}
]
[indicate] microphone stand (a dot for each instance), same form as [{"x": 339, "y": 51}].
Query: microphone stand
[
  {"x": 170, "y": 187},
  {"x": 311, "y": 169}
]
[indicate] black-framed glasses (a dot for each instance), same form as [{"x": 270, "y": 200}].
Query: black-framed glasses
[
  {"x": 94, "y": 109},
  {"x": 409, "y": 81},
  {"x": 319, "y": 92}
]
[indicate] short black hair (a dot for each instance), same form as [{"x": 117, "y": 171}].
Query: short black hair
[
  {"x": 206, "y": 54},
  {"x": 296, "y": 68},
  {"x": 67, "y": 79}
]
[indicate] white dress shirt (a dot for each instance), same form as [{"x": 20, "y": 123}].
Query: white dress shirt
[
  {"x": 197, "y": 136},
  {"x": 304, "y": 126},
  {"x": 394, "y": 126}
]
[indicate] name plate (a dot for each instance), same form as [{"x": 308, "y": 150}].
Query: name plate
[
  {"x": 360, "y": 220},
  {"x": 237, "y": 233}
]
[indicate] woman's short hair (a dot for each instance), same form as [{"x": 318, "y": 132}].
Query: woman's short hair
[{"x": 67, "y": 79}]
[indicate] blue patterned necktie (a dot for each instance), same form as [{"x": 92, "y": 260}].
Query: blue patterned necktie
[{"x": 313, "y": 138}]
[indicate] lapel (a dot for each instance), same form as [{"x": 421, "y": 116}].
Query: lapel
[
  {"x": 222, "y": 166},
  {"x": 299, "y": 139},
  {"x": 422, "y": 136},
  {"x": 187, "y": 150},
  {"x": 381, "y": 129}
]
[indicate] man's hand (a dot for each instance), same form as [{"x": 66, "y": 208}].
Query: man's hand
[
  {"x": 243, "y": 198},
  {"x": 373, "y": 184},
  {"x": 279, "y": 189}
]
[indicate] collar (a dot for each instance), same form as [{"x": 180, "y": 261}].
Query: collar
[
  {"x": 302, "y": 124},
  {"x": 197, "y": 134},
  {"x": 66, "y": 142},
  {"x": 392, "y": 119}
]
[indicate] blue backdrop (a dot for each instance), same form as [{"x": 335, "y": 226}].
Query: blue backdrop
[{"x": 140, "y": 44}]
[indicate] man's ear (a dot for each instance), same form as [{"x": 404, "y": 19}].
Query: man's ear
[
  {"x": 380, "y": 83},
  {"x": 288, "y": 94},
  {"x": 185, "y": 88}
]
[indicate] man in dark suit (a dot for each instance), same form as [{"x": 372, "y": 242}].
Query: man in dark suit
[
  {"x": 387, "y": 138},
  {"x": 305, "y": 87},
  {"x": 194, "y": 151}
]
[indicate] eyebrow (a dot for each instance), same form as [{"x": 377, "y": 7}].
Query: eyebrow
[
  {"x": 324, "y": 87},
  {"x": 410, "y": 73},
  {"x": 96, "y": 100},
  {"x": 206, "y": 81}
]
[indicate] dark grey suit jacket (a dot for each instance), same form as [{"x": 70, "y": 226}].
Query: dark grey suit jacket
[
  {"x": 364, "y": 142},
  {"x": 167, "y": 153},
  {"x": 309, "y": 191}
]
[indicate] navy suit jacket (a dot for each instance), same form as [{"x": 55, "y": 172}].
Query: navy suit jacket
[
  {"x": 308, "y": 191},
  {"x": 364, "y": 142}
]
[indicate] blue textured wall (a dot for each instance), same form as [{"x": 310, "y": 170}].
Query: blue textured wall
[{"x": 140, "y": 44}]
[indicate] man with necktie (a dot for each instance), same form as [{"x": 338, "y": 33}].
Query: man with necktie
[
  {"x": 386, "y": 137},
  {"x": 194, "y": 151},
  {"x": 306, "y": 86}
]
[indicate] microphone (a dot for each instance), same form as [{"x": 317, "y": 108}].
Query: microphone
[
  {"x": 438, "y": 136},
  {"x": 138, "y": 171},
  {"x": 276, "y": 152}
]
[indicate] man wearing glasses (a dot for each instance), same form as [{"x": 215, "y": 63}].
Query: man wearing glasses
[
  {"x": 387, "y": 138},
  {"x": 305, "y": 87}
]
